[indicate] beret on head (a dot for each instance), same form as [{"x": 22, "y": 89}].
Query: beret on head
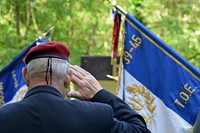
[{"x": 48, "y": 50}]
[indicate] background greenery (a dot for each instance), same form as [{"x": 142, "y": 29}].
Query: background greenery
[{"x": 86, "y": 25}]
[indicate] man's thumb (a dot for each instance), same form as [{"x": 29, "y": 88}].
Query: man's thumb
[{"x": 74, "y": 94}]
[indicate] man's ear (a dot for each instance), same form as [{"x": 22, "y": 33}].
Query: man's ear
[
  {"x": 68, "y": 78},
  {"x": 25, "y": 76}
]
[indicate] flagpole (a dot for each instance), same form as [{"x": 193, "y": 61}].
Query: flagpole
[
  {"x": 124, "y": 12},
  {"x": 119, "y": 8}
]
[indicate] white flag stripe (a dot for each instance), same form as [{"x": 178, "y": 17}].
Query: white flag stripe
[{"x": 156, "y": 114}]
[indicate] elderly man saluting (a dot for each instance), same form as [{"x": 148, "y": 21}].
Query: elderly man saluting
[{"x": 44, "y": 109}]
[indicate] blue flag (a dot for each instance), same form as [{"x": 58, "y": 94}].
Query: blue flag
[
  {"x": 12, "y": 85},
  {"x": 157, "y": 82}
]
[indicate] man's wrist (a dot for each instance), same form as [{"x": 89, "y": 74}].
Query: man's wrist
[{"x": 96, "y": 95}]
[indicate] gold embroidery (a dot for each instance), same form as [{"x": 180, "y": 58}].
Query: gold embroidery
[
  {"x": 135, "y": 42},
  {"x": 141, "y": 99},
  {"x": 21, "y": 95},
  {"x": 184, "y": 96},
  {"x": 1, "y": 94},
  {"x": 15, "y": 79}
]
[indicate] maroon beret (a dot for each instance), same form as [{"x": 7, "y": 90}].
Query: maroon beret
[{"x": 47, "y": 50}]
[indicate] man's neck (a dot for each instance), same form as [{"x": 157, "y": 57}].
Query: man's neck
[{"x": 42, "y": 83}]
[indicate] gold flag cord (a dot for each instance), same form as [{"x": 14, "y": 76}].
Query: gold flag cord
[{"x": 121, "y": 59}]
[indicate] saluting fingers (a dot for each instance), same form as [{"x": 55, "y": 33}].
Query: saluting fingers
[{"x": 80, "y": 70}]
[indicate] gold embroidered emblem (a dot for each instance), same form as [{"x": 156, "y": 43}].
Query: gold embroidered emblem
[
  {"x": 21, "y": 94},
  {"x": 141, "y": 99},
  {"x": 1, "y": 94}
]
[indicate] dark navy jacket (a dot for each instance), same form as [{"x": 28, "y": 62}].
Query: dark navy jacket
[{"x": 44, "y": 110}]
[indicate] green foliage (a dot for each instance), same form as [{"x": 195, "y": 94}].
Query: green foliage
[
  {"x": 85, "y": 28},
  {"x": 86, "y": 25}
]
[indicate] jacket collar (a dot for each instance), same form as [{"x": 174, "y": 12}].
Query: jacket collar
[{"x": 46, "y": 89}]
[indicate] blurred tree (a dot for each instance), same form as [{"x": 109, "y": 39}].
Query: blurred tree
[
  {"x": 85, "y": 28},
  {"x": 86, "y": 25}
]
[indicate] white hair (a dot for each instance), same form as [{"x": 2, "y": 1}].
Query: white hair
[{"x": 37, "y": 69}]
